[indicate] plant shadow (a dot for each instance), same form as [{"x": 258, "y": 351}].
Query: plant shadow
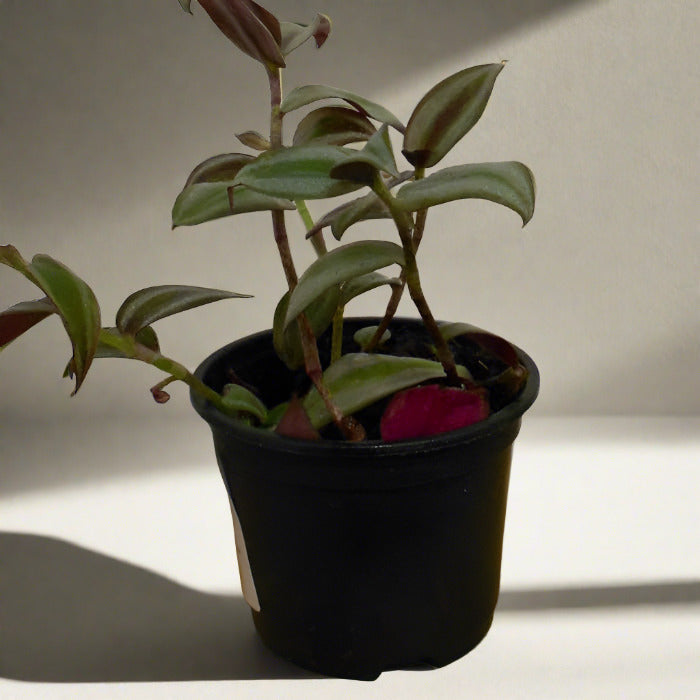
[{"x": 71, "y": 615}]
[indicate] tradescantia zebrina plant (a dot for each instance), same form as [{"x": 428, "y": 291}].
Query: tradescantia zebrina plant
[{"x": 341, "y": 145}]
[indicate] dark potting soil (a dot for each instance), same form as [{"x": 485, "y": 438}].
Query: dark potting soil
[{"x": 501, "y": 381}]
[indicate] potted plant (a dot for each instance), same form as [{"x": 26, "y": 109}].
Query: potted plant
[{"x": 366, "y": 460}]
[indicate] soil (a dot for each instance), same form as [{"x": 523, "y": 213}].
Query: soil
[{"x": 485, "y": 361}]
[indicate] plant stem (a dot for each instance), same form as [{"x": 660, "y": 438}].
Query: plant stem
[
  {"x": 337, "y": 335},
  {"x": 312, "y": 361},
  {"x": 404, "y": 224},
  {"x": 320, "y": 246},
  {"x": 317, "y": 240},
  {"x": 128, "y": 346},
  {"x": 397, "y": 292}
]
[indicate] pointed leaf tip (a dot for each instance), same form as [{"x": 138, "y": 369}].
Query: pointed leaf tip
[
  {"x": 144, "y": 307},
  {"x": 294, "y": 35},
  {"x": 77, "y": 307},
  {"x": 447, "y": 112}
]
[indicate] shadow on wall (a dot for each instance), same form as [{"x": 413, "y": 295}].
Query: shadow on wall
[{"x": 72, "y": 615}]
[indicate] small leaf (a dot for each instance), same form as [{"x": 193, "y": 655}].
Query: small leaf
[
  {"x": 447, "y": 112},
  {"x": 306, "y": 94},
  {"x": 362, "y": 166},
  {"x": 185, "y": 5},
  {"x": 287, "y": 340},
  {"x": 340, "y": 265},
  {"x": 335, "y": 126},
  {"x": 367, "y": 207},
  {"x": 357, "y": 380},
  {"x": 76, "y": 305},
  {"x": 250, "y": 27},
  {"x": 363, "y": 336},
  {"x": 364, "y": 283},
  {"x": 510, "y": 184},
  {"x": 238, "y": 398},
  {"x": 299, "y": 172},
  {"x": 254, "y": 140},
  {"x": 21, "y": 317},
  {"x": 146, "y": 306},
  {"x": 342, "y": 217},
  {"x": 207, "y": 201},
  {"x": 219, "y": 168},
  {"x": 294, "y": 35},
  {"x": 295, "y": 422}
]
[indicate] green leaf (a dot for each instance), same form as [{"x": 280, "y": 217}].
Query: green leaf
[
  {"x": 447, "y": 112},
  {"x": 76, "y": 305},
  {"x": 220, "y": 168},
  {"x": 253, "y": 29},
  {"x": 299, "y": 172},
  {"x": 146, "y": 337},
  {"x": 362, "y": 166},
  {"x": 23, "y": 316},
  {"x": 238, "y": 398},
  {"x": 364, "y": 283},
  {"x": 207, "y": 201},
  {"x": 254, "y": 140},
  {"x": 363, "y": 336},
  {"x": 294, "y": 35},
  {"x": 357, "y": 380},
  {"x": 367, "y": 207},
  {"x": 510, "y": 184},
  {"x": 335, "y": 126},
  {"x": 146, "y": 306},
  {"x": 72, "y": 299},
  {"x": 185, "y": 5},
  {"x": 349, "y": 213},
  {"x": 287, "y": 340},
  {"x": 306, "y": 94},
  {"x": 9, "y": 255},
  {"x": 340, "y": 265}
]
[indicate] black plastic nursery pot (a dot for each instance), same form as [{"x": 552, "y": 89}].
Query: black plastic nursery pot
[{"x": 362, "y": 557}]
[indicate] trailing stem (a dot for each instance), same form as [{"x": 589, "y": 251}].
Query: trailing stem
[
  {"x": 411, "y": 276},
  {"x": 135, "y": 351}
]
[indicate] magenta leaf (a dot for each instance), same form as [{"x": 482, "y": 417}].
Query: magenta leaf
[{"x": 430, "y": 410}]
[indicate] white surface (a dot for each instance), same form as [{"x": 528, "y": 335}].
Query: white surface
[
  {"x": 147, "y": 561},
  {"x": 106, "y": 107}
]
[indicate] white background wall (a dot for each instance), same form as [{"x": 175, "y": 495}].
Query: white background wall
[{"x": 106, "y": 106}]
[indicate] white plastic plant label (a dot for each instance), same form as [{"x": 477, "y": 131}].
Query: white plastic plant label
[{"x": 247, "y": 582}]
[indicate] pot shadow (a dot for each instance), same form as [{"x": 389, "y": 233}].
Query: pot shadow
[
  {"x": 576, "y": 598},
  {"x": 68, "y": 614},
  {"x": 71, "y": 615}
]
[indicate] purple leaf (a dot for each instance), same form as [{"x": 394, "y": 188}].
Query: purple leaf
[
  {"x": 23, "y": 316},
  {"x": 430, "y": 410},
  {"x": 250, "y": 27}
]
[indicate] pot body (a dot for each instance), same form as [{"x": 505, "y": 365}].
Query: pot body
[{"x": 361, "y": 557}]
